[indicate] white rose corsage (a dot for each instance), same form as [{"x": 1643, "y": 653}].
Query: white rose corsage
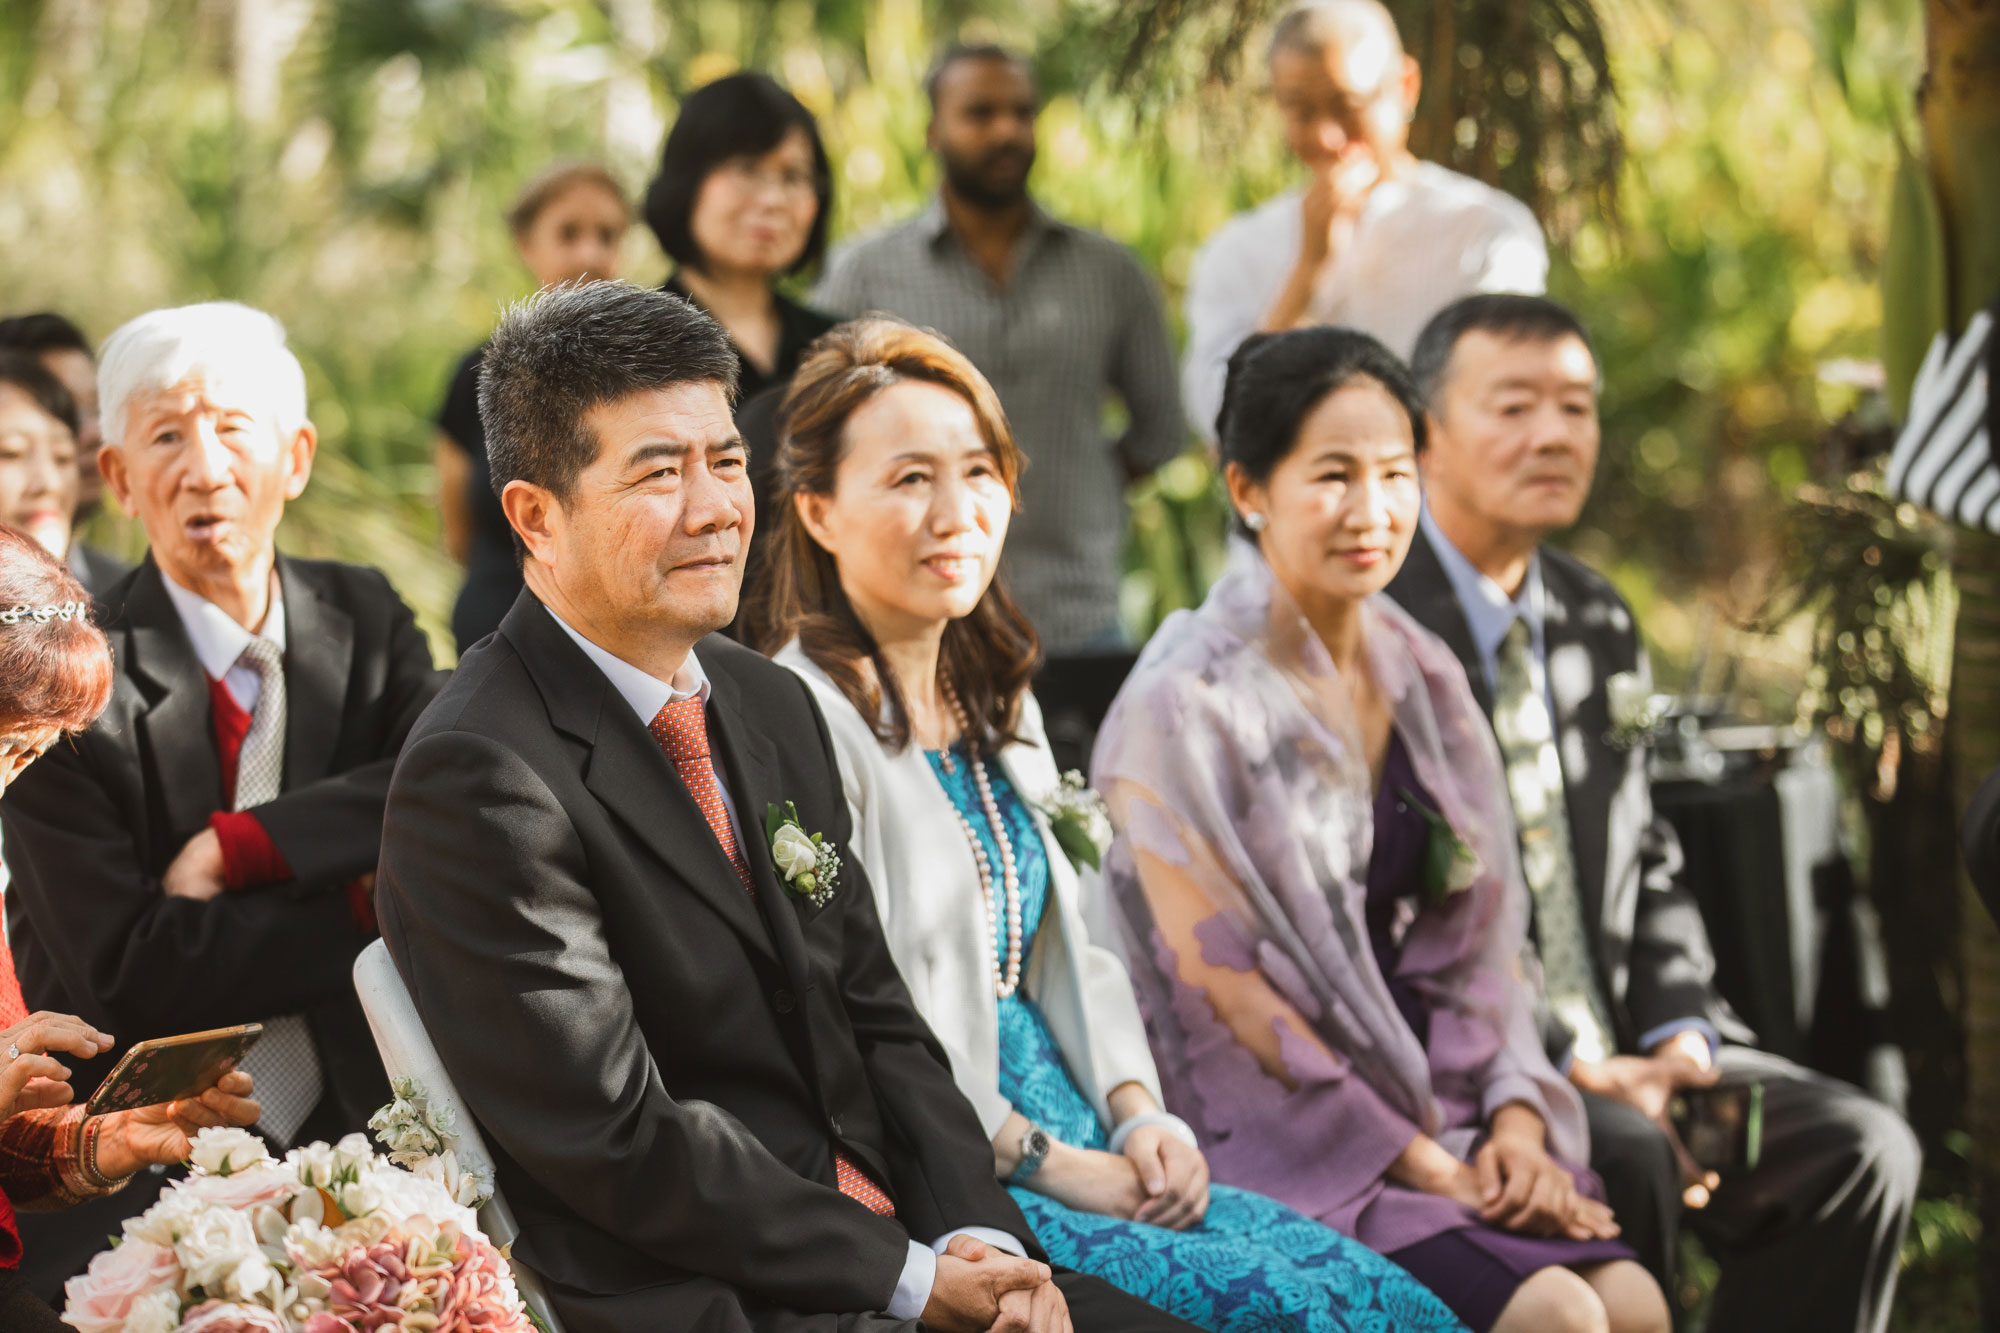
[
  {"x": 1077, "y": 817},
  {"x": 806, "y": 861},
  {"x": 1636, "y": 712},
  {"x": 1450, "y": 864}
]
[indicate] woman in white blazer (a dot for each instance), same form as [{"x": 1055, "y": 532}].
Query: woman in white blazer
[{"x": 879, "y": 592}]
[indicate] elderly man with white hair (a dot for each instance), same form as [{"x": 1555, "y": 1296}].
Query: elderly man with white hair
[
  {"x": 1376, "y": 239},
  {"x": 203, "y": 855}
]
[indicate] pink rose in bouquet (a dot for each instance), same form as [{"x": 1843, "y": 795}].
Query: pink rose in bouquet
[
  {"x": 99, "y": 1301},
  {"x": 479, "y": 1297},
  {"x": 220, "y": 1317}
]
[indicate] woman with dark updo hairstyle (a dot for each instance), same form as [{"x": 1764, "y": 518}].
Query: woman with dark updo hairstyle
[
  {"x": 55, "y": 678},
  {"x": 1317, "y": 878}
]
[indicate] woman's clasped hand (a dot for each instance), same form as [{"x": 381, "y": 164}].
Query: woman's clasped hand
[{"x": 1521, "y": 1187}]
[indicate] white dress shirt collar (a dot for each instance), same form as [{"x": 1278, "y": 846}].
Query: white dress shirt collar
[
  {"x": 647, "y": 694},
  {"x": 1489, "y": 611},
  {"x": 219, "y": 641}
]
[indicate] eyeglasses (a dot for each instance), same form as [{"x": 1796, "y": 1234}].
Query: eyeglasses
[{"x": 746, "y": 175}]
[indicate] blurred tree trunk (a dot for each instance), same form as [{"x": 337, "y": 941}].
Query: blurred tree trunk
[{"x": 1960, "y": 110}]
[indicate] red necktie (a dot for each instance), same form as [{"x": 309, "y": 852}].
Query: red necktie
[{"x": 681, "y": 728}]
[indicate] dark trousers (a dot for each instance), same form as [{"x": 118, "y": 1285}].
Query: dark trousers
[
  {"x": 701, "y": 1305},
  {"x": 22, "y": 1311},
  {"x": 1808, "y": 1240}
]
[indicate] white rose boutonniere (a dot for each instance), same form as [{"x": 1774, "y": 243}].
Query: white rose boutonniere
[
  {"x": 1077, "y": 817},
  {"x": 806, "y": 862},
  {"x": 1636, "y": 712}
]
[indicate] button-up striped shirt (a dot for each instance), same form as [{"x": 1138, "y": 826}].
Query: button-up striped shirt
[{"x": 1077, "y": 320}]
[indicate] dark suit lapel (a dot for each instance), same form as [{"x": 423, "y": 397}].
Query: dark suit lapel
[
  {"x": 319, "y": 652},
  {"x": 1422, "y": 588},
  {"x": 176, "y": 729},
  {"x": 627, "y": 772},
  {"x": 1591, "y": 769},
  {"x": 750, "y": 764}
]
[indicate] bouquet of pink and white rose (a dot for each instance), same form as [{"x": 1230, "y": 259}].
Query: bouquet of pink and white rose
[{"x": 332, "y": 1239}]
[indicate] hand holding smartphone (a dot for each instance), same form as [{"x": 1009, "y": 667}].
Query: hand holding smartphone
[{"x": 169, "y": 1069}]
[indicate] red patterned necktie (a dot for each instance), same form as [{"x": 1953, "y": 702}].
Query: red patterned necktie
[{"x": 681, "y": 728}]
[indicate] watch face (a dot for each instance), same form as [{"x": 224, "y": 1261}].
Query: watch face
[{"x": 1041, "y": 1142}]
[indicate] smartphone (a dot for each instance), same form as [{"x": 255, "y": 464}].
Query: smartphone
[
  {"x": 166, "y": 1069},
  {"x": 1722, "y": 1126}
]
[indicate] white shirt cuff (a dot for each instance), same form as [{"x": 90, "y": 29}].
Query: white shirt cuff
[
  {"x": 999, "y": 1240},
  {"x": 913, "y": 1288}
]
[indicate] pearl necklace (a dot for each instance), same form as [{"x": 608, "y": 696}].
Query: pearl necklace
[{"x": 1005, "y": 984}]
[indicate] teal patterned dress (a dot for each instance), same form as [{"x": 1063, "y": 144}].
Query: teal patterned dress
[{"x": 1253, "y": 1265}]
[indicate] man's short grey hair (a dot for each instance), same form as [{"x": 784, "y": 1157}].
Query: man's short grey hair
[
  {"x": 1309, "y": 29},
  {"x": 572, "y": 348},
  {"x": 218, "y": 339}
]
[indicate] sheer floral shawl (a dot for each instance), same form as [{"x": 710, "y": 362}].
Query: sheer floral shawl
[{"x": 1243, "y": 805}]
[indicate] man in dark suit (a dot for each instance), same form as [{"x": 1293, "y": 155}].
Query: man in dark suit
[
  {"x": 1807, "y": 1239},
  {"x": 712, "y": 1102},
  {"x": 198, "y": 858}
]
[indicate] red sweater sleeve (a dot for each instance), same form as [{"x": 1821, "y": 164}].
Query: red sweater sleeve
[{"x": 249, "y": 857}]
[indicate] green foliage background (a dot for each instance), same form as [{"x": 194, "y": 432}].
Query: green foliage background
[{"x": 344, "y": 164}]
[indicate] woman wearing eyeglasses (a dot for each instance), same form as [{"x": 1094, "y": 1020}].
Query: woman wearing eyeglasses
[{"x": 741, "y": 201}]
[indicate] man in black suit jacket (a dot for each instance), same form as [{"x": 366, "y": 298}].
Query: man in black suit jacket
[
  {"x": 1808, "y": 1239},
  {"x": 712, "y": 1101},
  {"x": 143, "y": 897}
]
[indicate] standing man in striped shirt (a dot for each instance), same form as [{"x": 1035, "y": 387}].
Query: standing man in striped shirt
[
  {"x": 1055, "y": 316},
  {"x": 1376, "y": 240}
]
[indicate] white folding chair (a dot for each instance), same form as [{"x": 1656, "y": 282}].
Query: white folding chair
[{"x": 407, "y": 1053}]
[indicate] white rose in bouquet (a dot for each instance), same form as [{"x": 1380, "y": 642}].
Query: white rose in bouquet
[
  {"x": 163, "y": 1223},
  {"x": 794, "y": 852},
  {"x": 155, "y": 1312},
  {"x": 213, "y": 1245},
  {"x": 224, "y": 1152}
]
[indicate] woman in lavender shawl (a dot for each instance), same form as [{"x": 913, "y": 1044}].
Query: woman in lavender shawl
[{"x": 1318, "y": 884}]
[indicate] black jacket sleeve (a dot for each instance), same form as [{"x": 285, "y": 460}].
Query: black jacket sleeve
[{"x": 151, "y": 965}]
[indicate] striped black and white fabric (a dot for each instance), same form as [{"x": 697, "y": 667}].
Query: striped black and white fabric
[{"x": 1944, "y": 459}]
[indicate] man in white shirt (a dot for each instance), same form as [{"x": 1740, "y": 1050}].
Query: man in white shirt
[{"x": 1377, "y": 240}]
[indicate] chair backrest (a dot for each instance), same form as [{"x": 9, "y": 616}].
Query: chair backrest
[{"x": 407, "y": 1052}]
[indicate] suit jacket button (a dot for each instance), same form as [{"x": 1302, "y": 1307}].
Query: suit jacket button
[{"x": 783, "y": 1002}]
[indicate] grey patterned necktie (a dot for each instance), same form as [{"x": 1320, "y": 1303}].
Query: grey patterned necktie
[
  {"x": 284, "y": 1062},
  {"x": 1535, "y": 784}
]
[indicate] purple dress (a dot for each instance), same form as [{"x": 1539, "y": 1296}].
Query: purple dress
[{"x": 1474, "y": 1269}]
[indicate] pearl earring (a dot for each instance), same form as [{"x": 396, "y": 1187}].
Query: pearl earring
[{"x": 1254, "y": 521}]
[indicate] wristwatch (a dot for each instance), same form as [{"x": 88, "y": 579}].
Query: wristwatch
[{"x": 1035, "y": 1146}]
